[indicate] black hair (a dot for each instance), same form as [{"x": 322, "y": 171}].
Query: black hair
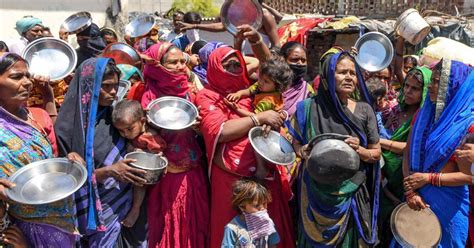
[
  {"x": 411, "y": 59},
  {"x": 9, "y": 60},
  {"x": 288, "y": 47},
  {"x": 106, "y": 31},
  {"x": 278, "y": 71},
  {"x": 192, "y": 17},
  {"x": 112, "y": 69},
  {"x": 3, "y": 46},
  {"x": 376, "y": 87},
  {"x": 127, "y": 110},
  {"x": 178, "y": 13},
  {"x": 197, "y": 46}
]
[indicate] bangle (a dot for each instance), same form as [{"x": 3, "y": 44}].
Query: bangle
[
  {"x": 255, "y": 120},
  {"x": 260, "y": 40}
]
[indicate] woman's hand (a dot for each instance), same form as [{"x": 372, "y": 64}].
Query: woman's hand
[
  {"x": 248, "y": 32},
  {"x": 5, "y": 184},
  {"x": 126, "y": 174},
  {"x": 185, "y": 26},
  {"x": 304, "y": 152},
  {"x": 233, "y": 97},
  {"x": 14, "y": 236},
  {"x": 415, "y": 181},
  {"x": 197, "y": 123},
  {"x": 353, "y": 142},
  {"x": 230, "y": 104},
  {"x": 75, "y": 157},
  {"x": 417, "y": 203},
  {"x": 271, "y": 118},
  {"x": 42, "y": 82}
]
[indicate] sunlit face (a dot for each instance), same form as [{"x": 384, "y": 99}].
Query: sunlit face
[
  {"x": 265, "y": 84},
  {"x": 15, "y": 85},
  {"x": 232, "y": 64},
  {"x": 177, "y": 18},
  {"x": 383, "y": 75},
  {"x": 175, "y": 61},
  {"x": 412, "y": 91},
  {"x": 193, "y": 60},
  {"x": 63, "y": 35},
  {"x": 346, "y": 77},
  {"x": 434, "y": 86},
  {"x": 408, "y": 66},
  {"x": 109, "y": 39},
  {"x": 253, "y": 207},
  {"x": 108, "y": 91},
  {"x": 34, "y": 33},
  {"x": 297, "y": 56},
  {"x": 130, "y": 129}
]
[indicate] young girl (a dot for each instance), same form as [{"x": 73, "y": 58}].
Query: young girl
[
  {"x": 252, "y": 227},
  {"x": 274, "y": 77},
  {"x": 129, "y": 119}
]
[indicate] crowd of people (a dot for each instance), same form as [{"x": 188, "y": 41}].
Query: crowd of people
[{"x": 411, "y": 126}]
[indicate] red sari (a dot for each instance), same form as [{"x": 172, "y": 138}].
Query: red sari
[
  {"x": 178, "y": 205},
  {"x": 238, "y": 155}
]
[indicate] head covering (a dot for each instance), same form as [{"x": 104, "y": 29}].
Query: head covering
[
  {"x": 143, "y": 44},
  {"x": 222, "y": 81},
  {"x": 159, "y": 80},
  {"x": 82, "y": 127},
  {"x": 204, "y": 52},
  {"x": 90, "y": 47},
  {"x": 137, "y": 90},
  {"x": 26, "y": 23},
  {"x": 426, "y": 73}
]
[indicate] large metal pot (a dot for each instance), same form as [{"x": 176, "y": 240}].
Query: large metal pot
[
  {"x": 153, "y": 164},
  {"x": 332, "y": 160}
]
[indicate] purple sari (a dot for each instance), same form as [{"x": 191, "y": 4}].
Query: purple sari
[{"x": 296, "y": 93}]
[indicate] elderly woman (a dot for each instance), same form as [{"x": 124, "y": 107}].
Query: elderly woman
[
  {"x": 295, "y": 55},
  {"x": 338, "y": 214},
  {"x": 27, "y": 135},
  {"x": 229, "y": 151},
  {"x": 440, "y": 127},
  {"x": 178, "y": 210},
  {"x": 84, "y": 126}
]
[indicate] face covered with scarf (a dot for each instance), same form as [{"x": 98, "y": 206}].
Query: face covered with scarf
[
  {"x": 90, "y": 40},
  {"x": 295, "y": 55}
]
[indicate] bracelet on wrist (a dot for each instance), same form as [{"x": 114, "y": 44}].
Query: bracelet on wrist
[
  {"x": 260, "y": 40},
  {"x": 254, "y": 120}
]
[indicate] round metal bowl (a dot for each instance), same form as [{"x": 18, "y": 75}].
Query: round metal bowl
[
  {"x": 238, "y": 12},
  {"x": 274, "y": 148},
  {"x": 123, "y": 54},
  {"x": 140, "y": 25},
  {"x": 375, "y": 51},
  {"x": 46, "y": 181},
  {"x": 331, "y": 160},
  {"x": 77, "y": 22},
  {"x": 412, "y": 228},
  {"x": 153, "y": 164},
  {"x": 124, "y": 86},
  {"x": 172, "y": 113},
  {"x": 50, "y": 57}
]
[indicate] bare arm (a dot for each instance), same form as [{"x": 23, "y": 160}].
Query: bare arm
[
  {"x": 393, "y": 146},
  {"x": 278, "y": 16},
  {"x": 406, "y": 156},
  {"x": 210, "y": 27},
  {"x": 270, "y": 27},
  {"x": 260, "y": 50},
  {"x": 370, "y": 154},
  {"x": 399, "y": 47},
  {"x": 252, "y": 64}
]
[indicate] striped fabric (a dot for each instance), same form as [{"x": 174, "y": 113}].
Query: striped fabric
[{"x": 259, "y": 224}]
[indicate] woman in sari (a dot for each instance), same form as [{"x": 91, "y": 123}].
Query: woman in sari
[
  {"x": 411, "y": 97},
  {"x": 440, "y": 127},
  {"x": 84, "y": 126},
  {"x": 178, "y": 205},
  {"x": 339, "y": 215},
  {"x": 295, "y": 55},
  {"x": 229, "y": 152},
  {"x": 26, "y": 136}
]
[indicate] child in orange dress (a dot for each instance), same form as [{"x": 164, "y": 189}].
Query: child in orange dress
[
  {"x": 129, "y": 118},
  {"x": 273, "y": 79}
]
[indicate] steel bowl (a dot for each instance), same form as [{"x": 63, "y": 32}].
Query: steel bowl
[
  {"x": 238, "y": 12},
  {"x": 123, "y": 54},
  {"x": 77, "y": 22},
  {"x": 375, "y": 51},
  {"x": 46, "y": 181},
  {"x": 172, "y": 113},
  {"x": 124, "y": 86},
  {"x": 153, "y": 164},
  {"x": 274, "y": 148},
  {"x": 140, "y": 25},
  {"x": 50, "y": 57},
  {"x": 331, "y": 160}
]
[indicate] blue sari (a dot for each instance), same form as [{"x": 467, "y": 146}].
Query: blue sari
[{"x": 438, "y": 130}]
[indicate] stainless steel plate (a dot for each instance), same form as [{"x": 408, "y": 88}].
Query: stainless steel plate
[
  {"x": 173, "y": 113},
  {"x": 375, "y": 51},
  {"x": 274, "y": 148},
  {"x": 238, "y": 12},
  {"x": 140, "y": 26},
  {"x": 50, "y": 57},
  {"x": 153, "y": 164},
  {"x": 124, "y": 86},
  {"x": 46, "y": 181},
  {"x": 123, "y": 54},
  {"x": 77, "y": 22}
]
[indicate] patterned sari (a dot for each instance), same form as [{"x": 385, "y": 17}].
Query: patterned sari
[
  {"x": 439, "y": 129},
  {"x": 86, "y": 128},
  {"x": 48, "y": 225},
  {"x": 337, "y": 215}
]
